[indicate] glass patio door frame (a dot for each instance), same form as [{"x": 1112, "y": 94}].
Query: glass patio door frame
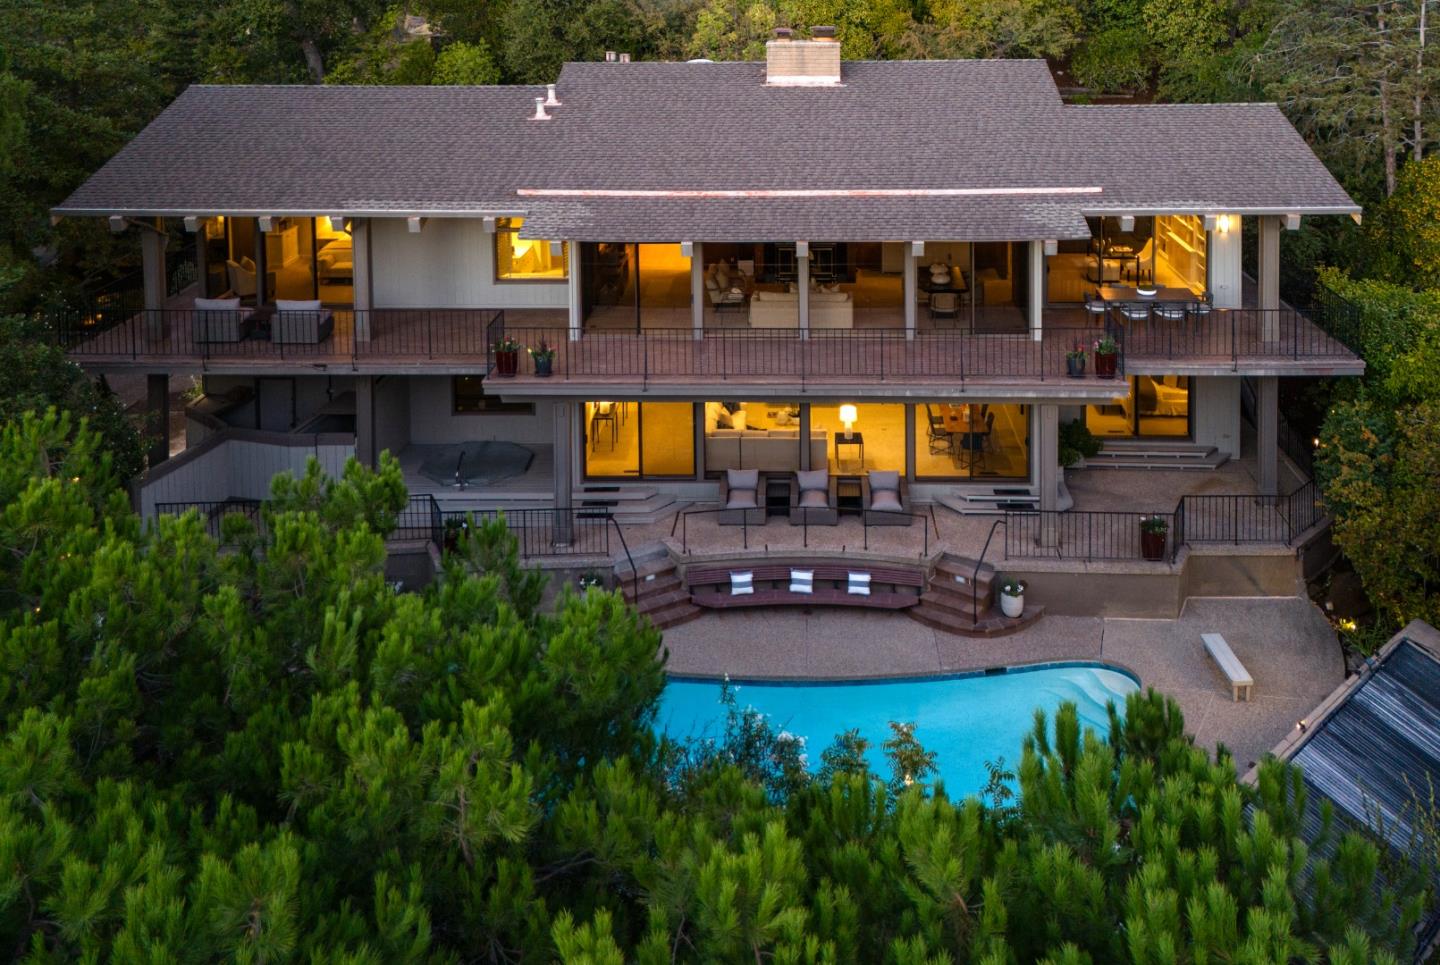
[{"x": 639, "y": 474}]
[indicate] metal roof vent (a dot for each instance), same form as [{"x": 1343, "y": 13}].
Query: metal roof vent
[
  {"x": 540, "y": 114},
  {"x": 802, "y": 63},
  {"x": 550, "y": 99}
]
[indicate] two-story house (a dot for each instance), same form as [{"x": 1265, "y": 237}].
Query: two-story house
[{"x": 787, "y": 265}]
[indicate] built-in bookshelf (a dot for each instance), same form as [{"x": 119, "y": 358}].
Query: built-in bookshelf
[{"x": 1180, "y": 244}]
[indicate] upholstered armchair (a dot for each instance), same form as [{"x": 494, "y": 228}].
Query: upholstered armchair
[
  {"x": 813, "y": 498},
  {"x": 300, "y": 323},
  {"x": 886, "y": 497},
  {"x": 740, "y": 495}
]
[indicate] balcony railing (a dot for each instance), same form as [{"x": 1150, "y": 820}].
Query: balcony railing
[
  {"x": 248, "y": 335},
  {"x": 1232, "y": 335},
  {"x": 826, "y": 356}
]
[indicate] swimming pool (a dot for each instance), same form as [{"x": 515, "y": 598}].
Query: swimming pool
[{"x": 966, "y": 719}]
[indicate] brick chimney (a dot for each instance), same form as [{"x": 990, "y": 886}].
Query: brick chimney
[{"x": 802, "y": 63}]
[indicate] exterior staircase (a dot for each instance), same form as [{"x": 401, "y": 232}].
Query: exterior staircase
[
  {"x": 628, "y": 504},
  {"x": 956, "y": 594},
  {"x": 991, "y": 500},
  {"x": 654, "y": 587},
  {"x": 1155, "y": 454}
]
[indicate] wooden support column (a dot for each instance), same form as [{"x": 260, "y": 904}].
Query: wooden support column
[
  {"x": 1267, "y": 264},
  {"x": 1047, "y": 440},
  {"x": 909, "y": 287},
  {"x": 1267, "y": 434},
  {"x": 157, "y": 417},
  {"x": 152, "y": 261},
  {"x": 805, "y": 437},
  {"x": 697, "y": 289},
  {"x": 365, "y": 449},
  {"x": 577, "y": 309},
  {"x": 563, "y": 440},
  {"x": 262, "y": 268},
  {"x": 363, "y": 297},
  {"x": 802, "y": 284},
  {"x": 1037, "y": 290}
]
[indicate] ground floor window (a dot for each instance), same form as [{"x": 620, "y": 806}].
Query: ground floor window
[
  {"x": 1157, "y": 406},
  {"x": 972, "y": 441},
  {"x": 861, "y": 436},
  {"x": 756, "y": 435},
  {"x": 639, "y": 439}
]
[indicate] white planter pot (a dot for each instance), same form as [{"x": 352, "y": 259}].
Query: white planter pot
[{"x": 1012, "y": 606}]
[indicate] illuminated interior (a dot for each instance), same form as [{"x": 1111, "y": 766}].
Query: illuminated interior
[
  {"x": 334, "y": 262},
  {"x": 757, "y": 435},
  {"x": 877, "y": 436},
  {"x": 1168, "y": 250},
  {"x": 972, "y": 441},
  {"x": 1155, "y": 407},
  {"x": 526, "y": 259},
  {"x": 639, "y": 439}
]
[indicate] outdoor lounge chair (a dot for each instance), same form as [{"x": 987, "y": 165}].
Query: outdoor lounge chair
[
  {"x": 813, "y": 499},
  {"x": 886, "y": 498},
  {"x": 740, "y": 503},
  {"x": 300, "y": 323},
  {"x": 220, "y": 320}
]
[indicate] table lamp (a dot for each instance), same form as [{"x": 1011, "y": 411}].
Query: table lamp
[{"x": 848, "y": 416}]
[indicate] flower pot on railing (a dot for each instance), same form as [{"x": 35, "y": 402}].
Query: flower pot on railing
[
  {"x": 1075, "y": 365},
  {"x": 544, "y": 366},
  {"x": 507, "y": 362},
  {"x": 1153, "y": 530}
]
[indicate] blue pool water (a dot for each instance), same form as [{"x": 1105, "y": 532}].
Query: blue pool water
[{"x": 966, "y": 720}]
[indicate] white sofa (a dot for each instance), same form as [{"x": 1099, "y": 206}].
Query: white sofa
[
  {"x": 769, "y": 450},
  {"x": 782, "y": 310}
]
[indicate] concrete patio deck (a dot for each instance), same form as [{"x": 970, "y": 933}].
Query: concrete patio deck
[{"x": 1286, "y": 644}]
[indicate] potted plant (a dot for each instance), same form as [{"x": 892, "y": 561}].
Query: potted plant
[
  {"x": 1075, "y": 362},
  {"x": 454, "y": 529},
  {"x": 1152, "y": 537},
  {"x": 1012, "y": 597},
  {"x": 507, "y": 356},
  {"x": 590, "y": 578},
  {"x": 1106, "y": 354},
  {"x": 544, "y": 357}
]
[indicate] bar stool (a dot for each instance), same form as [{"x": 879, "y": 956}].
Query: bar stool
[{"x": 604, "y": 412}]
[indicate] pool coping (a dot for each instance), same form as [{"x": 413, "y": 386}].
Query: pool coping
[{"x": 900, "y": 677}]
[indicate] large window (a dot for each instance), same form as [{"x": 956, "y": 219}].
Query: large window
[
  {"x": 1156, "y": 406},
  {"x": 757, "y": 435},
  {"x": 639, "y": 439},
  {"x": 526, "y": 259},
  {"x": 873, "y": 439},
  {"x": 972, "y": 440}
]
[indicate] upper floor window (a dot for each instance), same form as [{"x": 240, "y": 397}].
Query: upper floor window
[{"x": 527, "y": 259}]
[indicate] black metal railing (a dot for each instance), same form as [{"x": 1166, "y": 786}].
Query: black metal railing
[
  {"x": 874, "y": 355},
  {"x": 214, "y": 512},
  {"x": 744, "y": 526},
  {"x": 333, "y": 336},
  {"x": 1231, "y": 335},
  {"x": 1196, "y": 519}
]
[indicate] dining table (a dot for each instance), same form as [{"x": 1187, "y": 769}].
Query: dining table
[
  {"x": 966, "y": 424},
  {"x": 1164, "y": 295}
]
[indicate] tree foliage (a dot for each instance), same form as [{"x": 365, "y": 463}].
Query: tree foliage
[{"x": 265, "y": 753}]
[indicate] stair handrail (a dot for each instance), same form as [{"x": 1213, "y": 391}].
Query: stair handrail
[
  {"x": 634, "y": 574},
  {"x": 975, "y": 574}
]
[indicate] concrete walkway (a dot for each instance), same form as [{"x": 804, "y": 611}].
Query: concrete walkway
[{"x": 1285, "y": 643}]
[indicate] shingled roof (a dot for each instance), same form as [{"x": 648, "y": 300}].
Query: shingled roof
[{"x": 967, "y": 150}]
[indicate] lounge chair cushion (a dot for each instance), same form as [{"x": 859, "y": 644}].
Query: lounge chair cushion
[
  {"x": 816, "y": 480},
  {"x": 217, "y": 304},
  {"x": 814, "y": 498},
  {"x": 888, "y": 480},
  {"x": 297, "y": 305},
  {"x": 884, "y": 500},
  {"x": 741, "y": 499},
  {"x": 743, "y": 479}
]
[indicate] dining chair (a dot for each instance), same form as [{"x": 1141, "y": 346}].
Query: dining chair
[
  {"x": 944, "y": 305},
  {"x": 604, "y": 412},
  {"x": 1136, "y": 312},
  {"x": 941, "y": 439}
]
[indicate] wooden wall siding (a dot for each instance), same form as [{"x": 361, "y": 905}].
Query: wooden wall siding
[
  {"x": 449, "y": 264},
  {"x": 239, "y": 464}
]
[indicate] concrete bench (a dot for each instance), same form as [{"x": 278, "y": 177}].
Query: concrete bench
[
  {"x": 891, "y": 588},
  {"x": 1230, "y": 665}
]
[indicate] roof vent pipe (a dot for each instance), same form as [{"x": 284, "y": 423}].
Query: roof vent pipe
[
  {"x": 550, "y": 99},
  {"x": 540, "y": 114},
  {"x": 624, "y": 58},
  {"x": 610, "y": 57}
]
